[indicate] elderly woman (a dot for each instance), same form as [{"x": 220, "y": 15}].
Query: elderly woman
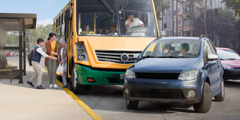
[{"x": 62, "y": 52}]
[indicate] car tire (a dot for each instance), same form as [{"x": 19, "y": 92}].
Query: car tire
[
  {"x": 220, "y": 97},
  {"x": 131, "y": 105},
  {"x": 206, "y": 102},
  {"x": 76, "y": 87}
]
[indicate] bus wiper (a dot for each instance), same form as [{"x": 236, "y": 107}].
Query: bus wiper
[
  {"x": 125, "y": 5},
  {"x": 105, "y": 4}
]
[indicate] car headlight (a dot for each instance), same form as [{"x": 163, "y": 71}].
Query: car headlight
[
  {"x": 227, "y": 67},
  {"x": 189, "y": 75},
  {"x": 130, "y": 74}
]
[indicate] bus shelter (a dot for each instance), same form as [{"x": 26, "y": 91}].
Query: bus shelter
[{"x": 13, "y": 44}]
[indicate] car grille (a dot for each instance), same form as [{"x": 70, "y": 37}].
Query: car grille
[
  {"x": 115, "y": 56},
  {"x": 163, "y": 94},
  {"x": 158, "y": 75}
]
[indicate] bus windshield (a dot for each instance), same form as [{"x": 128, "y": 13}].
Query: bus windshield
[{"x": 133, "y": 18}]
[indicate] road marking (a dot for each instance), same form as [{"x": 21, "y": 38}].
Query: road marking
[{"x": 79, "y": 101}]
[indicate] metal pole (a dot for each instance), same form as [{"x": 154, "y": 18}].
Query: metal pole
[
  {"x": 173, "y": 18},
  {"x": 177, "y": 17},
  {"x": 20, "y": 52},
  {"x": 24, "y": 52}
]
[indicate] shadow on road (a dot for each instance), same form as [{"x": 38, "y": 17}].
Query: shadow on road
[
  {"x": 232, "y": 83},
  {"x": 110, "y": 98}
]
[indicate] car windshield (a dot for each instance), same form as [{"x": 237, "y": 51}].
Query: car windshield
[
  {"x": 228, "y": 55},
  {"x": 133, "y": 18},
  {"x": 173, "y": 49}
]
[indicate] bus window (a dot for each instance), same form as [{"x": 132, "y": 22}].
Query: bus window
[
  {"x": 132, "y": 18},
  {"x": 139, "y": 19},
  {"x": 96, "y": 18}
]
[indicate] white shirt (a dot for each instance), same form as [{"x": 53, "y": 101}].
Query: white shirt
[
  {"x": 40, "y": 51},
  {"x": 136, "y": 22}
]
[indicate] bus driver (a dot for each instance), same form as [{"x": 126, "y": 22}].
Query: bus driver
[{"x": 133, "y": 22}]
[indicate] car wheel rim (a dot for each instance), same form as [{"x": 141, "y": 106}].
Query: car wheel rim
[{"x": 127, "y": 101}]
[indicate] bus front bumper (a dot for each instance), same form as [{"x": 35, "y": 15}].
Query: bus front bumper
[{"x": 88, "y": 76}]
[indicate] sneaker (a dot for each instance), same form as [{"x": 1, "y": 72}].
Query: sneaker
[
  {"x": 51, "y": 86},
  {"x": 30, "y": 83},
  {"x": 55, "y": 86},
  {"x": 65, "y": 86},
  {"x": 40, "y": 87}
]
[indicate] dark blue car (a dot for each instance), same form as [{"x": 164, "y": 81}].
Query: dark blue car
[{"x": 183, "y": 70}]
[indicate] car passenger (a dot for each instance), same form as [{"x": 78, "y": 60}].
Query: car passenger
[
  {"x": 166, "y": 50},
  {"x": 184, "y": 49}
]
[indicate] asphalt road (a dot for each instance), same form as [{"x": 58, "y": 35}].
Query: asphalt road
[{"x": 108, "y": 103}]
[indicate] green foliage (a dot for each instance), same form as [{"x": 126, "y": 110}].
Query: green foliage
[
  {"x": 40, "y": 32},
  {"x": 160, "y": 7},
  {"x": 233, "y": 4}
]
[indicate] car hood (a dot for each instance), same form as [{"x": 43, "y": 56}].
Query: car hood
[
  {"x": 165, "y": 65},
  {"x": 232, "y": 63}
]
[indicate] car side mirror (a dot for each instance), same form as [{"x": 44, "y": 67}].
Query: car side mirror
[{"x": 212, "y": 57}]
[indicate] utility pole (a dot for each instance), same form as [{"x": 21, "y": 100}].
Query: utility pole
[
  {"x": 173, "y": 18},
  {"x": 177, "y": 17}
]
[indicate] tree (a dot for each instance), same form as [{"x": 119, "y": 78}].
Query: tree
[
  {"x": 233, "y": 4},
  {"x": 222, "y": 34},
  {"x": 160, "y": 7},
  {"x": 41, "y": 32}
]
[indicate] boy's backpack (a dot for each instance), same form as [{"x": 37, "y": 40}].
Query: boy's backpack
[{"x": 30, "y": 58}]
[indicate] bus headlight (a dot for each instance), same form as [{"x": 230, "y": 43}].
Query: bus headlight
[
  {"x": 189, "y": 75},
  {"x": 81, "y": 52},
  {"x": 130, "y": 74}
]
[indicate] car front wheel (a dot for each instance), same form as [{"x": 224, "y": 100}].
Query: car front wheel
[
  {"x": 206, "y": 102},
  {"x": 132, "y": 105}
]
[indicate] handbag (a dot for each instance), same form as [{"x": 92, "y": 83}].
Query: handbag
[{"x": 59, "y": 71}]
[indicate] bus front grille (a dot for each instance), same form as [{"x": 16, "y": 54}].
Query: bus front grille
[{"x": 121, "y": 57}]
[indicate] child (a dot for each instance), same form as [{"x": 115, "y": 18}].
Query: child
[{"x": 36, "y": 58}]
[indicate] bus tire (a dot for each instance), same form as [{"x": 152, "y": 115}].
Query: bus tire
[
  {"x": 76, "y": 87},
  {"x": 206, "y": 102}
]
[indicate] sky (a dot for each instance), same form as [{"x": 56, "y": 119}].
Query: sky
[{"x": 46, "y": 10}]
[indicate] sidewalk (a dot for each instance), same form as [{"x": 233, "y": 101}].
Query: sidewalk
[{"x": 22, "y": 102}]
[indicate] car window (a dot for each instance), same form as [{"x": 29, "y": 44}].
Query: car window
[
  {"x": 150, "y": 49},
  {"x": 207, "y": 51},
  {"x": 173, "y": 48},
  {"x": 207, "y": 48},
  {"x": 213, "y": 47}
]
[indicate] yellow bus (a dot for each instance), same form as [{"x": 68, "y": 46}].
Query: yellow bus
[{"x": 104, "y": 38}]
